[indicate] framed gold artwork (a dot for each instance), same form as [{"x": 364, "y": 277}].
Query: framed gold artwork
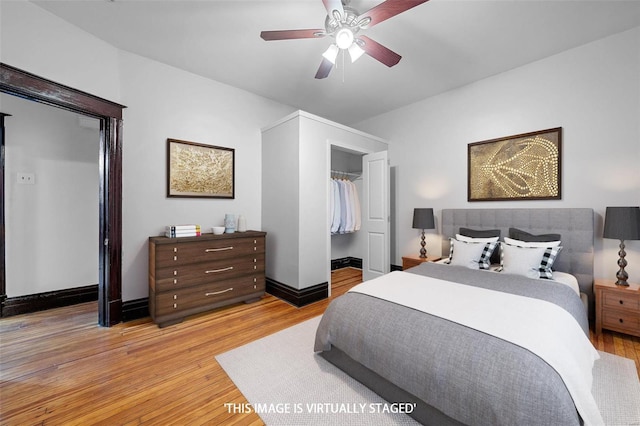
[
  {"x": 519, "y": 167},
  {"x": 199, "y": 171}
]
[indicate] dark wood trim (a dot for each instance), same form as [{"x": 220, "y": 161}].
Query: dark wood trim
[
  {"x": 135, "y": 309},
  {"x": 32, "y": 87},
  {"x": 346, "y": 262},
  {"x": 17, "y": 82},
  {"x": 3, "y": 286},
  {"x": 297, "y": 298},
  {"x": 51, "y": 299}
]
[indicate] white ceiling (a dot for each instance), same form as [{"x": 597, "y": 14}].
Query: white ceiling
[{"x": 444, "y": 44}]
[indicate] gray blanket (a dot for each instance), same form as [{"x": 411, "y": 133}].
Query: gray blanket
[{"x": 472, "y": 377}]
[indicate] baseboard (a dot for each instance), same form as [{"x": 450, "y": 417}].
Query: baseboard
[
  {"x": 297, "y": 297},
  {"x": 135, "y": 309},
  {"x": 346, "y": 262},
  {"x": 396, "y": 268},
  {"x": 49, "y": 300}
]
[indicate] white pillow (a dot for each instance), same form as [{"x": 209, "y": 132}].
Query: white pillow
[
  {"x": 532, "y": 262},
  {"x": 466, "y": 239},
  {"x": 471, "y": 255},
  {"x": 520, "y": 243}
]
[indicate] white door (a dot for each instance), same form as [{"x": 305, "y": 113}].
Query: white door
[{"x": 375, "y": 215}]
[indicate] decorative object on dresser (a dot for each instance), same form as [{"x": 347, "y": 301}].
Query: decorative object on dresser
[
  {"x": 196, "y": 274},
  {"x": 617, "y": 307},
  {"x": 411, "y": 261},
  {"x": 519, "y": 167},
  {"x": 423, "y": 219},
  {"x": 622, "y": 223},
  {"x": 200, "y": 171}
]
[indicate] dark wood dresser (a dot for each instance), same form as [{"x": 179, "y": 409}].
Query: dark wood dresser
[{"x": 189, "y": 275}]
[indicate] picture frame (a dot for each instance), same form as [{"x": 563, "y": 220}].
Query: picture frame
[
  {"x": 196, "y": 170},
  {"x": 519, "y": 167}
]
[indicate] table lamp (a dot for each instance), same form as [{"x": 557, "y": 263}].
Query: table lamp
[
  {"x": 622, "y": 223},
  {"x": 423, "y": 219}
]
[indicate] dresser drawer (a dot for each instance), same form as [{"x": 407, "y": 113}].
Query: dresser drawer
[
  {"x": 184, "y": 254},
  {"x": 180, "y": 276},
  {"x": 617, "y": 300},
  {"x": 184, "y": 300},
  {"x": 621, "y": 320}
]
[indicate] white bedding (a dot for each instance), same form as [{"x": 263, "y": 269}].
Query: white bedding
[{"x": 567, "y": 349}]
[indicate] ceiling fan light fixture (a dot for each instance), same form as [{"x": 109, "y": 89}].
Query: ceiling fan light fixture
[
  {"x": 355, "y": 52},
  {"x": 344, "y": 38},
  {"x": 331, "y": 53}
]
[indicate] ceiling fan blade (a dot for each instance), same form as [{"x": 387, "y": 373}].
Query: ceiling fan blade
[
  {"x": 324, "y": 69},
  {"x": 379, "y": 52},
  {"x": 332, "y": 5},
  {"x": 291, "y": 34},
  {"x": 388, "y": 9}
]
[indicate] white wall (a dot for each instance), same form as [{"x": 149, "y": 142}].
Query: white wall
[
  {"x": 162, "y": 102},
  {"x": 592, "y": 92},
  {"x": 36, "y": 41},
  {"x": 52, "y": 224}
]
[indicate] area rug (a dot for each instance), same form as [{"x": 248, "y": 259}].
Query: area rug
[{"x": 287, "y": 384}]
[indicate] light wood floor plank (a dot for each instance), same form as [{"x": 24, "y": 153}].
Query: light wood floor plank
[{"x": 58, "y": 367}]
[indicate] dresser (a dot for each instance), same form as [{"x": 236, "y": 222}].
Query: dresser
[
  {"x": 189, "y": 275},
  {"x": 617, "y": 307}
]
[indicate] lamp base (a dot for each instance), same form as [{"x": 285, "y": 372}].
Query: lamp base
[
  {"x": 622, "y": 275},
  {"x": 423, "y": 251}
]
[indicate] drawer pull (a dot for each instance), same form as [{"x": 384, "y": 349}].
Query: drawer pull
[
  {"x": 213, "y": 293},
  {"x": 218, "y": 249},
  {"x": 213, "y": 271},
  {"x": 621, "y": 321},
  {"x": 622, "y": 302}
]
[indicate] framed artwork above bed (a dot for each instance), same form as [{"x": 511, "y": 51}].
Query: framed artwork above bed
[{"x": 519, "y": 167}]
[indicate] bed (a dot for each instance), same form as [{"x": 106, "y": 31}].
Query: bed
[{"x": 449, "y": 340}]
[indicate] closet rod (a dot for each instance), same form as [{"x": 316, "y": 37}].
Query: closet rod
[{"x": 338, "y": 172}]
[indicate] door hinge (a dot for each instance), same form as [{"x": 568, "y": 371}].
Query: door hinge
[{"x": 106, "y": 242}]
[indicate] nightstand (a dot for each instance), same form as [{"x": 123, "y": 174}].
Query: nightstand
[
  {"x": 617, "y": 307},
  {"x": 411, "y": 261}
]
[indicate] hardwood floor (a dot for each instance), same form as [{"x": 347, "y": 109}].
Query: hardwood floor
[{"x": 59, "y": 367}]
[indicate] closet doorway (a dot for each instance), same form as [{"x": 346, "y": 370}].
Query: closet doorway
[
  {"x": 20, "y": 83},
  {"x": 368, "y": 172}
]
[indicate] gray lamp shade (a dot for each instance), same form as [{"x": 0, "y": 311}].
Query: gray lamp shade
[
  {"x": 622, "y": 223},
  {"x": 423, "y": 219}
]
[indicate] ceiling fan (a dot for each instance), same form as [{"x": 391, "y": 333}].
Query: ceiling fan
[{"x": 344, "y": 24}]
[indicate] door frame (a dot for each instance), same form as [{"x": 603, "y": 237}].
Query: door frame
[
  {"x": 14, "y": 81},
  {"x": 350, "y": 148}
]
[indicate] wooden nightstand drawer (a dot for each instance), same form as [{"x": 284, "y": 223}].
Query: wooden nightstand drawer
[
  {"x": 617, "y": 300},
  {"x": 614, "y": 320}
]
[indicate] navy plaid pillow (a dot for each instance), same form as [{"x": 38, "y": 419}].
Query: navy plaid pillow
[
  {"x": 485, "y": 257},
  {"x": 548, "y": 258}
]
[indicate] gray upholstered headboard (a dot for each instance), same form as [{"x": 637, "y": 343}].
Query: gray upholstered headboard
[{"x": 576, "y": 226}]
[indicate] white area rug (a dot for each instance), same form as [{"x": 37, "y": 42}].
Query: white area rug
[{"x": 307, "y": 390}]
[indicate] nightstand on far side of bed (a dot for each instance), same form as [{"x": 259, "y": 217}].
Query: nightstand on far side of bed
[
  {"x": 617, "y": 307},
  {"x": 411, "y": 261}
]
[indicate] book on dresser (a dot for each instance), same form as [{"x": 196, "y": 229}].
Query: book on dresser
[
  {"x": 190, "y": 275},
  {"x": 177, "y": 231}
]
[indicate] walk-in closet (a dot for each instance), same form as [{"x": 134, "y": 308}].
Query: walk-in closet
[{"x": 299, "y": 153}]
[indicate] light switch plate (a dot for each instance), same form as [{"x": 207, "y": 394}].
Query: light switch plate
[{"x": 26, "y": 178}]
